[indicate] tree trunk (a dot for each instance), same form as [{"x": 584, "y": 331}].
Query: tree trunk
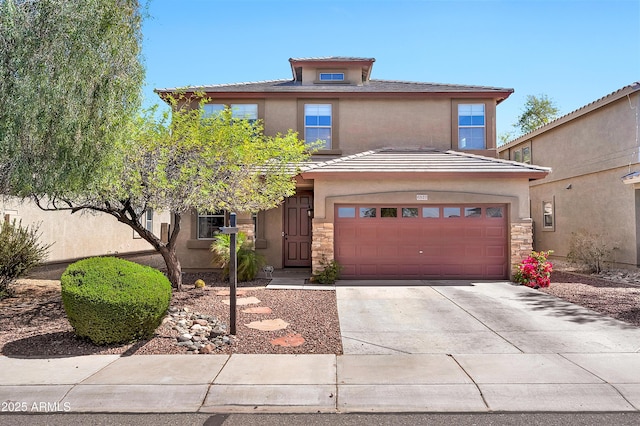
[{"x": 174, "y": 269}]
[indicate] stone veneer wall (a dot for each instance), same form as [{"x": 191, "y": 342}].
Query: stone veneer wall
[
  {"x": 521, "y": 243},
  {"x": 248, "y": 229},
  {"x": 322, "y": 245}
]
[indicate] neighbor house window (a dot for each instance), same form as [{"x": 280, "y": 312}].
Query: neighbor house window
[
  {"x": 548, "y": 219},
  {"x": 209, "y": 224},
  {"x": 518, "y": 156},
  {"x": 526, "y": 155},
  {"x": 146, "y": 220},
  {"x": 331, "y": 76},
  {"x": 317, "y": 124},
  {"x": 471, "y": 127}
]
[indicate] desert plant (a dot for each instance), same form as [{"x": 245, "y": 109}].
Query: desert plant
[
  {"x": 249, "y": 262},
  {"x": 535, "y": 270},
  {"x": 109, "y": 300},
  {"x": 329, "y": 272},
  {"x": 20, "y": 251},
  {"x": 589, "y": 250}
]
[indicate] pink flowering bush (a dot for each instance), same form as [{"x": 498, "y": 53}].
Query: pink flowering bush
[{"x": 535, "y": 270}]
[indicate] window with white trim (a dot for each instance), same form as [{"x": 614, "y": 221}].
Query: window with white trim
[
  {"x": 209, "y": 224},
  {"x": 471, "y": 126},
  {"x": 317, "y": 124}
]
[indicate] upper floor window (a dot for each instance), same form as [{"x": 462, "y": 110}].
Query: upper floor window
[
  {"x": 241, "y": 111},
  {"x": 331, "y": 76},
  {"x": 317, "y": 124},
  {"x": 471, "y": 126},
  {"x": 526, "y": 155}
]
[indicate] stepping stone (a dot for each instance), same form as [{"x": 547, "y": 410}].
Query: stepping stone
[
  {"x": 243, "y": 301},
  {"x": 258, "y": 310},
  {"x": 268, "y": 325},
  {"x": 228, "y": 293},
  {"x": 290, "y": 340}
]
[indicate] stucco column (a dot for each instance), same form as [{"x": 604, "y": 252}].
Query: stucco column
[
  {"x": 322, "y": 244},
  {"x": 521, "y": 242}
]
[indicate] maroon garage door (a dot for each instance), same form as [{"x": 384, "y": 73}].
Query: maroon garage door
[{"x": 425, "y": 242}]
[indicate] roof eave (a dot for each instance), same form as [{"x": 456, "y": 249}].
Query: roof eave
[{"x": 460, "y": 174}]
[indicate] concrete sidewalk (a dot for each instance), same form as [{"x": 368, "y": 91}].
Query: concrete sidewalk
[
  {"x": 443, "y": 348},
  {"x": 323, "y": 383}
]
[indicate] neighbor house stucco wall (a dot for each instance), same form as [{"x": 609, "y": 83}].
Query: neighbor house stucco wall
[
  {"x": 589, "y": 151},
  {"x": 81, "y": 234}
]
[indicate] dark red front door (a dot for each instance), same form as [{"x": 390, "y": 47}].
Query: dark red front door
[{"x": 297, "y": 230}]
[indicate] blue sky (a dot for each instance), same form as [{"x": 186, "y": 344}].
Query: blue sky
[{"x": 573, "y": 51}]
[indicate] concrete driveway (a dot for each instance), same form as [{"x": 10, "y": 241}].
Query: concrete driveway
[{"x": 444, "y": 317}]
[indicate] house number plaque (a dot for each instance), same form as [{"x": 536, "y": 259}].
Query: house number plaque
[{"x": 422, "y": 197}]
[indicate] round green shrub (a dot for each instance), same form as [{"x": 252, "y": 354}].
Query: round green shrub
[{"x": 109, "y": 300}]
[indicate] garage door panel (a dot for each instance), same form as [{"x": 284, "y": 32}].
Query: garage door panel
[{"x": 421, "y": 247}]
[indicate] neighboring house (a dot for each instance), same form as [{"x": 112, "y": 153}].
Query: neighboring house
[
  {"x": 81, "y": 234},
  {"x": 407, "y": 186},
  {"x": 595, "y": 184}
]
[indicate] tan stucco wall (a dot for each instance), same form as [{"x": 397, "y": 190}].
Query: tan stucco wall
[
  {"x": 330, "y": 191},
  {"x": 364, "y": 124},
  {"x": 80, "y": 234},
  {"x": 591, "y": 153},
  {"x": 380, "y": 123},
  {"x": 599, "y": 203},
  {"x": 272, "y": 228}
]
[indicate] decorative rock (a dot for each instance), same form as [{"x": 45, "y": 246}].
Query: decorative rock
[
  {"x": 185, "y": 337},
  {"x": 243, "y": 301},
  {"x": 268, "y": 325},
  {"x": 195, "y": 331},
  {"x": 258, "y": 310},
  {"x": 228, "y": 293},
  {"x": 290, "y": 340}
]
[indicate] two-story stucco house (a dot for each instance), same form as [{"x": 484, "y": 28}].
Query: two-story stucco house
[
  {"x": 408, "y": 184},
  {"x": 594, "y": 187}
]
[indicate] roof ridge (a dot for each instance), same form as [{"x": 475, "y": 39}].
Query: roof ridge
[{"x": 341, "y": 159}]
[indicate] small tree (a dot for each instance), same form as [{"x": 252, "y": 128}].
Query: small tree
[
  {"x": 537, "y": 111},
  {"x": 187, "y": 161},
  {"x": 20, "y": 251}
]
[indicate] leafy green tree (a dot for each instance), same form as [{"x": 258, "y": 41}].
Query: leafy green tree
[
  {"x": 72, "y": 136},
  {"x": 70, "y": 79},
  {"x": 537, "y": 111},
  {"x": 183, "y": 161}
]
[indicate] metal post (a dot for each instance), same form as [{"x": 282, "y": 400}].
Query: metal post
[{"x": 233, "y": 274}]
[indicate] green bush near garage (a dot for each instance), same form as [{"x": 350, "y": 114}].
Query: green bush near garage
[{"x": 109, "y": 300}]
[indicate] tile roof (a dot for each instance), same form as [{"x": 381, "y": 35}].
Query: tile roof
[
  {"x": 605, "y": 100},
  {"x": 421, "y": 160},
  {"x": 373, "y": 86}
]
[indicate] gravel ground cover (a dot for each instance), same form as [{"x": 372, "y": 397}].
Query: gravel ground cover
[{"x": 33, "y": 323}]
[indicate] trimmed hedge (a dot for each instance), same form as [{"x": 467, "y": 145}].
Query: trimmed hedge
[{"x": 109, "y": 300}]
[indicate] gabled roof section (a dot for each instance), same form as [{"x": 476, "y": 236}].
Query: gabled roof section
[
  {"x": 423, "y": 160},
  {"x": 583, "y": 110}
]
